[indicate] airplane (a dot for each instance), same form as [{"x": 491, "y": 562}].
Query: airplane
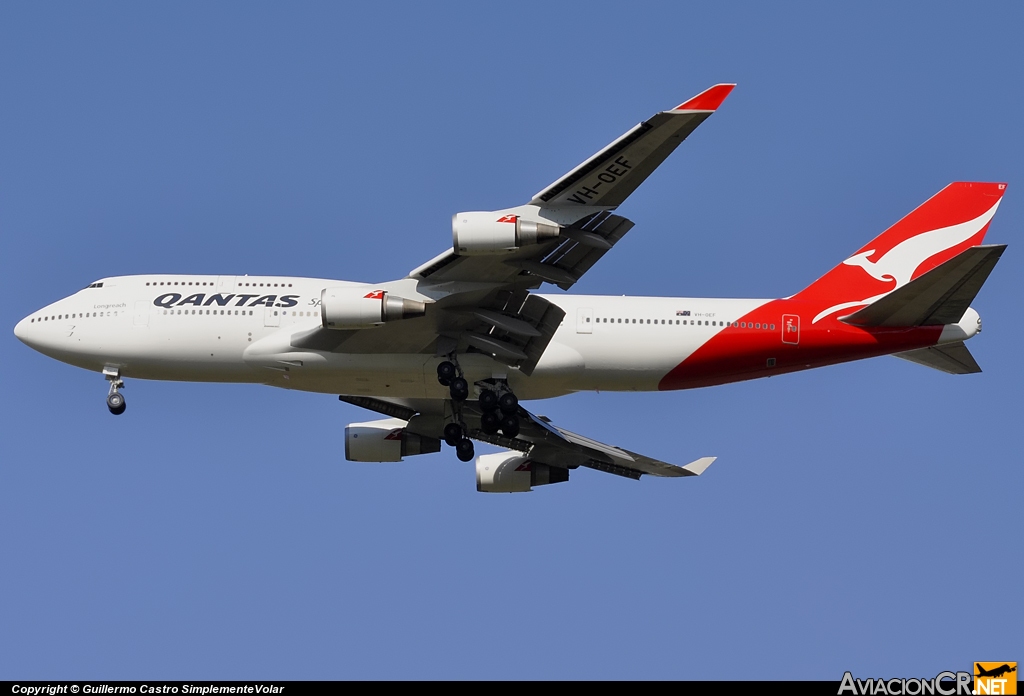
[
  {"x": 448, "y": 352},
  {"x": 995, "y": 671}
]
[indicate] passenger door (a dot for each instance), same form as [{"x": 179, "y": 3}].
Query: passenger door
[
  {"x": 272, "y": 316},
  {"x": 791, "y": 329},
  {"x": 142, "y": 313}
]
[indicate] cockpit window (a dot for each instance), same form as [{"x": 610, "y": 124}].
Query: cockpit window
[{"x": 95, "y": 285}]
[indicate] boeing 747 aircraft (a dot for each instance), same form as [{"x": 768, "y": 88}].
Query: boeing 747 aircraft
[{"x": 447, "y": 352}]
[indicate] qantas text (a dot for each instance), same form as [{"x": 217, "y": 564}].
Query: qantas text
[{"x": 173, "y": 299}]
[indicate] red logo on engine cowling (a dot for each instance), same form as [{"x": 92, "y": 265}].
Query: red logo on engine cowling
[
  {"x": 508, "y": 218},
  {"x": 375, "y": 295}
]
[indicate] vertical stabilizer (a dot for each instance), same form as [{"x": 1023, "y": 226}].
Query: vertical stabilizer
[{"x": 950, "y": 222}]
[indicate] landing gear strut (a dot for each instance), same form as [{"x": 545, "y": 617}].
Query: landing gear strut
[{"x": 115, "y": 400}]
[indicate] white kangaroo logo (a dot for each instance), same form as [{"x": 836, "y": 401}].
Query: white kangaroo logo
[{"x": 902, "y": 261}]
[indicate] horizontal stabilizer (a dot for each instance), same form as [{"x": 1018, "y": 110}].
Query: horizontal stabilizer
[
  {"x": 939, "y": 297},
  {"x": 952, "y": 358}
]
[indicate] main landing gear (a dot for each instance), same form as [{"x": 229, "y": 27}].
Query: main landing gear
[
  {"x": 115, "y": 400},
  {"x": 449, "y": 375},
  {"x": 500, "y": 412},
  {"x": 499, "y": 405}
]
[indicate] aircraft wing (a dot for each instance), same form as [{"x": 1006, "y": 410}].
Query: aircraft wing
[
  {"x": 537, "y": 438},
  {"x": 579, "y": 203},
  {"x": 481, "y": 302}
]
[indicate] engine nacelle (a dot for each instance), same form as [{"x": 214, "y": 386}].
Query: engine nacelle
[
  {"x": 385, "y": 440},
  {"x": 482, "y": 233},
  {"x": 508, "y": 472},
  {"x": 360, "y": 308}
]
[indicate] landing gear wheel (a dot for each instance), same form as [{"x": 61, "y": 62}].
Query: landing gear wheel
[
  {"x": 446, "y": 372},
  {"x": 459, "y": 389},
  {"x": 510, "y": 426},
  {"x": 508, "y": 403},
  {"x": 490, "y": 422},
  {"x": 464, "y": 450},
  {"x": 116, "y": 403},
  {"x": 452, "y": 434},
  {"x": 488, "y": 400}
]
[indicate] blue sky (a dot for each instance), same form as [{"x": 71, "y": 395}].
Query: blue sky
[{"x": 860, "y": 517}]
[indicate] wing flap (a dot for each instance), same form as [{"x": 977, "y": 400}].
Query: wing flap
[
  {"x": 388, "y": 408},
  {"x": 515, "y": 328},
  {"x": 575, "y": 256}
]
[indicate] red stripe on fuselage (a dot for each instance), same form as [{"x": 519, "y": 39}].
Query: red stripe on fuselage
[{"x": 736, "y": 354}]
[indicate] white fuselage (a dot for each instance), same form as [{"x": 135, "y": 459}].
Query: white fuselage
[{"x": 240, "y": 328}]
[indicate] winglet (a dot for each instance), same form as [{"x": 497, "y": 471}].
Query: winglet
[
  {"x": 708, "y": 100},
  {"x": 697, "y": 468}
]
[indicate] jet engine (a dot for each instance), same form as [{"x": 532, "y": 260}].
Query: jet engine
[
  {"x": 385, "y": 440},
  {"x": 509, "y": 472},
  {"x": 360, "y": 308},
  {"x": 482, "y": 233}
]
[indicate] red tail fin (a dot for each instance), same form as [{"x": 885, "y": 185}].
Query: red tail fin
[{"x": 954, "y": 219}]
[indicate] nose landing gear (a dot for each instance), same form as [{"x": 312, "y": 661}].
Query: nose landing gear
[{"x": 115, "y": 400}]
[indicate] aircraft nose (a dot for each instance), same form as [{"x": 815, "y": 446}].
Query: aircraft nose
[{"x": 21, "y": 330}]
